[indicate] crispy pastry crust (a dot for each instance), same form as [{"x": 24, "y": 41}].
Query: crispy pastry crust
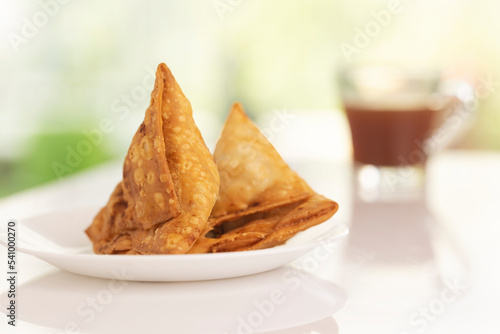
[
  {"x": 170, "y": 182},
  {"x": 253, "y": 175},
  {"x": 262, "y": 202},
  {"x": 170, "y": 202}
]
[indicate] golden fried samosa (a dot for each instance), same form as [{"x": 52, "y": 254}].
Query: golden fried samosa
[
  {"x": 261, "y": 202},
  {"x": 170, "y": 182},
  {"x": 253, "y": 175}
]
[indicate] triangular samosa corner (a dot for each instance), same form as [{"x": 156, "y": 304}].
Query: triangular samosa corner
[{"x": 254, "y": 177}]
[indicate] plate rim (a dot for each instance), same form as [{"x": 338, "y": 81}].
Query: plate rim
[
  {"x": 284, "y": 248},
  {"x": 278, "y": 256}
]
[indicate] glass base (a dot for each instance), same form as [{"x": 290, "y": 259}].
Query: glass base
[{"x": 389, "y": 183}]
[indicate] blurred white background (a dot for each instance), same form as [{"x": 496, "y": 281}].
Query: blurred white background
[{"x": 70, "y": 68}]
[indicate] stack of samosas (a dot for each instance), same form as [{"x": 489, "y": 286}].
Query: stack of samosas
[{"x": 175, "y": 198}]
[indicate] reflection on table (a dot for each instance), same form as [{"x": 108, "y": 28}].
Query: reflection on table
[
  {"x": 274, "y": 300},
  {"x": 395, "y": 248}
]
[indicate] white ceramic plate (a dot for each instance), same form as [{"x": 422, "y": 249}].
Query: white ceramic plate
[{"x": 58, "y": 238}]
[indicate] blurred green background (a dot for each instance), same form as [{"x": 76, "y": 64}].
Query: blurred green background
[{"x": 76, "y": 72}]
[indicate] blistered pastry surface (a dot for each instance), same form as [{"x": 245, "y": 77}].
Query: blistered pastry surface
[
  {"x": 171, "y": 202},
  {"x": 252, "y": 173},
  {"x": 170, "y": 182},
  {"x": 148, "y": 187}
]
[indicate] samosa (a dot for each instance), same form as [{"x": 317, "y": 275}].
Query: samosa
[
  {"x": 261, "y": 202},
  {"x": 170, "y": 182}
]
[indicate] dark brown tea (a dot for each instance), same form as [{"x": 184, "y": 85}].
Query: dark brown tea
[{"x": 390, "y": 137}]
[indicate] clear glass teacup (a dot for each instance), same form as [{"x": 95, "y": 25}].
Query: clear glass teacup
[{"x": 399, "y": 117}]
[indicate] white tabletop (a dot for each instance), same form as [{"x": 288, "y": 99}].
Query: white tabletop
[{"x": 424, "y": 266}]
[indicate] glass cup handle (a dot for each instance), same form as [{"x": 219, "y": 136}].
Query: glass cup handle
[{"x": 463, "y": 105}]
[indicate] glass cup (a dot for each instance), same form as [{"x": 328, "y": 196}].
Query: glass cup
[{"x": 398, "y": 117}]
